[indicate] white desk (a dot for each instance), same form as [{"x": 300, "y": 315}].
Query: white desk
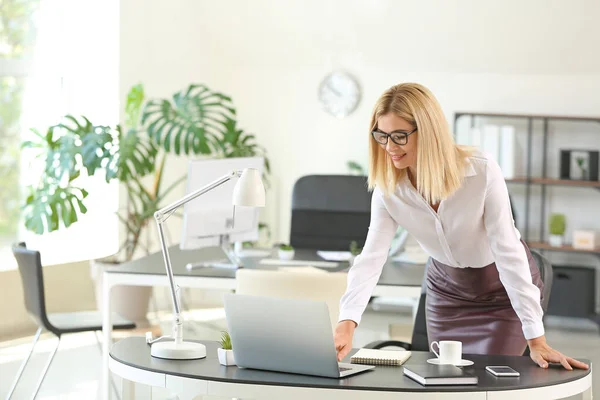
[
  {"x": 396, "y": 281},
  {"x": 130, "y": 358}
]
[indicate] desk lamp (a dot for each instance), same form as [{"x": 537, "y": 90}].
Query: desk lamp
[{"x": 249, "y": 191}]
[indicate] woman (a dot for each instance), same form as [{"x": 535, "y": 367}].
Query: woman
[{"x": 483, "y": 287}]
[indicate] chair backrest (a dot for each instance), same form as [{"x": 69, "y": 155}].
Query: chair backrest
[
  {"x": 330, "y": 211},
  {"x": 32, "y": 280},
  {"x": 295, "y": 283},
  {"x": 547, "y": 275},
  {"x": 420, "y": 340}
]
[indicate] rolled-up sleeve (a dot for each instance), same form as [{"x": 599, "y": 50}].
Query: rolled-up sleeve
[
  {"x": 509, "y": 254},
  {"x": 366, "y": 270}
]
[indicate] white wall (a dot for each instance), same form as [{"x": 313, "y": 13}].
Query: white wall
[{"x": 535, "y": 56}]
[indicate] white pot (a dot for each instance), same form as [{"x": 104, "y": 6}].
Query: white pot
[
  {"x": 130, "y": 302},
  {"x": 225, "y": 356},
  {"x": 556, "y": 240},
  {"x": 286, "y": 254}
]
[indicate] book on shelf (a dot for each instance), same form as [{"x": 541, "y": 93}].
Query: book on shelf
[
  {"x": 430, "y": 374},
  {"x": 380, "y": 357}
]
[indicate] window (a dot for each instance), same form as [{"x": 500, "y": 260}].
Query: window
[{"x": 55, "y": 60}]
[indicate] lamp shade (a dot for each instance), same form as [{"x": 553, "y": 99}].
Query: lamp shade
[{"x": 249, "y": 190}]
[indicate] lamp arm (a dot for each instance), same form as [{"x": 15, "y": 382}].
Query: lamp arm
[
  {"x": 164, "y": 213},
  {"x": 161, "y": 216}
]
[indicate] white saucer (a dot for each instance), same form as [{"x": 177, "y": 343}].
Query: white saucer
[{"x": 462, "y": 363}]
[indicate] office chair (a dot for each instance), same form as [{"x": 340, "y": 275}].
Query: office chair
[
  {"x": 32, "y": 279},
  {"x": 420, "y": 341},
  {"x": 295, "y": 283},
  {"x": 330, "y": 211}
]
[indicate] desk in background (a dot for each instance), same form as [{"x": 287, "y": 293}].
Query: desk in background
[
  {"x": 130, "y": 358},
  {"x": 397, "y": 280}
]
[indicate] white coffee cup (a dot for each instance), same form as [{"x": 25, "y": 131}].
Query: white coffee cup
[{"x": 450, "y": 351}]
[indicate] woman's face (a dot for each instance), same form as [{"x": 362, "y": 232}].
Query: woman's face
[{"x": 402, "y": 155}]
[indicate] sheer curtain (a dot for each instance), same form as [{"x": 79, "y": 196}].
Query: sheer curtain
[{"x": 74, "y": 70}]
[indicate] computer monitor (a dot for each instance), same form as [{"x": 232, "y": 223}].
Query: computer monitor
[{"x": 211, "y": 220}]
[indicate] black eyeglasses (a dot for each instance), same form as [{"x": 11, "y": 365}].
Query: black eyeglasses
[{"x": 400, "y": 138}]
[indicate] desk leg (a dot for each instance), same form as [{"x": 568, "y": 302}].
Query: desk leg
[{"x": 107, "y": 336}]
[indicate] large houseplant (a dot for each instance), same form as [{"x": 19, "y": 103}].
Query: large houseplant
[{"x": 195, "y": 121}]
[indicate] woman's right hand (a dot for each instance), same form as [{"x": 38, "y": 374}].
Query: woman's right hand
[{"x": 343, "y": 338}]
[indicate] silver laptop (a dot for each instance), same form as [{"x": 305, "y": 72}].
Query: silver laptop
[{"x": 284, "y": 335}]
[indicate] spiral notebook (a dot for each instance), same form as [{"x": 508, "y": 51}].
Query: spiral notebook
[{"x": 380, "y": 357}]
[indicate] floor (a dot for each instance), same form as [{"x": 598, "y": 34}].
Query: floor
[{"x": 69, "y": 378}]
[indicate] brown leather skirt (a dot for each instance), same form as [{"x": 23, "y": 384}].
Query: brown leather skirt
[{"x": 472, "y": 306}]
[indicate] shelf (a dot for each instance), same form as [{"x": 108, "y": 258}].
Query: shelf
[
  {"x": 536, "y": 116},
  {"x": 564, "y": 248},
  {"x": 556, "y": 182}
]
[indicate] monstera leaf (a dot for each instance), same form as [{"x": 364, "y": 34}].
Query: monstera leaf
[
  {"x": 46, "y": 206},
  {"x": 192, "y": 123},
  {"x": 237, "y": 143},
  {"x": 77, "y": 146},
  {"x": 57, "y": 152},
  {"x": 135, "y": 156},
  {"x": 135, "y": 152},
  {"x": 133, "y": 105},
  {"x": 94, "y": 143}
]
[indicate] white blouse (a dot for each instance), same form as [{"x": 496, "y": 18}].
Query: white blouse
[{"x": 473, "y": 228}]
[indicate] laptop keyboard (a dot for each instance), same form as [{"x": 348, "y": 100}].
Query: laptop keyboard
[{"x": 342, "y": 369}]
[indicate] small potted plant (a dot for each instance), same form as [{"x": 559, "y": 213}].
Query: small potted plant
[
  {"x": 354, "y": 251},
  {"x": 286, "y": 252},
  {"x": 582, "y": 167},
  {"x": 225, "y": 352},
  {"x": 557, "y": 229}
]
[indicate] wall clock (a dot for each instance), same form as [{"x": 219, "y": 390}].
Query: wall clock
[{"x": 339, "y": 94}]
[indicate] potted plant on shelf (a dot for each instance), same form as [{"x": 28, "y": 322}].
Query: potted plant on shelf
[
  {"x": 225, "y": 352},
  {"x": 582, "y": 168},
  {"x": 557, "y": 227},
  {"x": 196, "y": 122},
  {"x": 285, "y": 252}
]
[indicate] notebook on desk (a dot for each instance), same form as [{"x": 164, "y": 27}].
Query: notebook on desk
[
  {"x": 380, "y": 357},
  {"x": 429, "y": 374}
]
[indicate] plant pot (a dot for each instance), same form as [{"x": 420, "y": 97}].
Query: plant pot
[
  {"x": 286, "y": 254},
  {"x": 555, "y": 240},
  {"x": 130, "y": 302},
  {"x": 225, "y": 356}
]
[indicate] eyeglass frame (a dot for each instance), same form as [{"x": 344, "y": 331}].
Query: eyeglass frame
[{"x": 389, "y": 135}]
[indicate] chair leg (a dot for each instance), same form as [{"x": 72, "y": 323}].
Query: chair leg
[
  {"x": 39, "y": 385},
  {"x": 112, "y": 380},
  {"x": 23, "y": 364}
]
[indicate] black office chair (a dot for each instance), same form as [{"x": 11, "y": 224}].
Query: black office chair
[
  {"x": 330, "y": 211},
  {"x": 420, "y": 340},
  {"x": 32, "y": 279}
]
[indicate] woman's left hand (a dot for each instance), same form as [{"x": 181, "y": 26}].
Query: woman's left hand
[{"x": 541, "y": 353}]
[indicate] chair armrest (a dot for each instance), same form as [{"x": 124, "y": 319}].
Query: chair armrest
[{"x": 380, "y": 344}]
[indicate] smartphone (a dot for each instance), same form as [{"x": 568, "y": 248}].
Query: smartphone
[{"x": 502, "y": 370}]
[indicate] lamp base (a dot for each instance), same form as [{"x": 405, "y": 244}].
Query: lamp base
[{"x": 178, "y": 351}]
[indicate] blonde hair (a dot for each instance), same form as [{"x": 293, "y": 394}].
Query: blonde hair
[{"x": 440, "y": 162}]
